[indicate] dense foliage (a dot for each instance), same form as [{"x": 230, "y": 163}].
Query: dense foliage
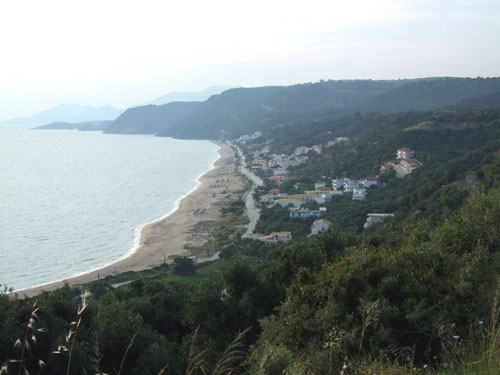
[
  {"x": 150, "y": 119},
  {"x": 338, "y": 297}
]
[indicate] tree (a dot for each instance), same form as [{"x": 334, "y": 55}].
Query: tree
[{"x": 183, "y": 267}]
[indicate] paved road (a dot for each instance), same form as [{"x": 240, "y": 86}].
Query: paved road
[{"x": 253, "y": 212}]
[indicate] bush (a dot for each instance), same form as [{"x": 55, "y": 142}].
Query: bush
[{"x": 183, "y": 267}]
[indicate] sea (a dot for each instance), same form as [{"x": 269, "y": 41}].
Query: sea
[{"x": 75, "y": 201}]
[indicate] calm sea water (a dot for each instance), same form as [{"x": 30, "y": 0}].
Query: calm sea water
[{"x": 74, "y": 201}]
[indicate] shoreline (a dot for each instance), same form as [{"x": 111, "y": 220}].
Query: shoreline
[{"x": 166, "y": 236}]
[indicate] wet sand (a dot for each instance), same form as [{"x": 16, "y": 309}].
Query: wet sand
[{"x": 167, "y": 237}]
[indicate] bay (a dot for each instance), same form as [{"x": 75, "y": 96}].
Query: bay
[{"x": 75, "y": 201}]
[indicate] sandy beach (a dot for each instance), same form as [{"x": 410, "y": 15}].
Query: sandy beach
[{"x": 167, "y": 237}]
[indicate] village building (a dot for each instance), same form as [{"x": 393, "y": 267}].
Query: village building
[
  {"x": 317, "y": 148},
  {"x": 405, "y": 153},
  {"x": 408, "y": 165},
  {"x": 303, "y": 213},
  {"x": 279, "y": 171},
  {"x": 386, "y": 167},
  {"x": 336, "y": 141},
  {"x": 319, "y": 184},
  {"x": 269, "y": 198},
  {"x": 338, "y": 184},
  {"x": 373, "y": 219},
  {"x": 349, "y": 186},
  {"x": 319, "y": 226},
  {"x": 369, "y": 181},
  {"x": 301, "y": 150},
  {"x": 359, "y": 194}
]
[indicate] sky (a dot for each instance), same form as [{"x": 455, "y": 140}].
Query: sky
[{"x": 126, "y": 52}]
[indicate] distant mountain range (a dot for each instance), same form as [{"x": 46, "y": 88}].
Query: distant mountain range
[
  {"x": 74, "y": 116},
  {"x": 82, "y": 126},
  {"x": 239, "y": 111},
  {"x": 72, "y": 113}
]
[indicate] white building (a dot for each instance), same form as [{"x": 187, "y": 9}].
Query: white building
[
  {"x": 405, "y": 153},
  {"x": 338, "y": 184},
  {"x": 349, "y": 186},
  {"x": 318, "y": 185},
  {"x": 301, "y": 150},
  {"x": 359, "y": 194},
  {"x": 320, "y": 225},
  {"x": 303, "y": 213},
  {"x": 369, "y": 181},
  {"x": 372, "y": 219}
]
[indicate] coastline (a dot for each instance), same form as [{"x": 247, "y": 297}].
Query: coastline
[{"x": 165, "y": 237}]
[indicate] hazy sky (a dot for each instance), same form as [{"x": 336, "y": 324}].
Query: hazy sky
[{"x": 126, "y": 52}]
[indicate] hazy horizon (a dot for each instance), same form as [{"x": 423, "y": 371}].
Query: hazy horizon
[{"x": 120, "y": 53}]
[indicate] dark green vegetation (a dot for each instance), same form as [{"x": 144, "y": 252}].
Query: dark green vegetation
[{"x": 150, "y": 119}]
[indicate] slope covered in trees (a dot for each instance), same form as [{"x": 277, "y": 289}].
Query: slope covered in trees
[
  {"x": 428, "y": 94},
  {"x": 451, "y": 145},
  {"x": 150, "y": 119},
  {"x": 244, "y": 110}
]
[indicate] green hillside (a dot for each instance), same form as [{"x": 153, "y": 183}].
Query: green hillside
[
  {"x": 150, "y": 119},
  {"x": 245, "y": 110}
]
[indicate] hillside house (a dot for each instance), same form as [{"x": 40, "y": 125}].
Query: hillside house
[
  {"x": 317, "y": 148},
  {"x": 301, "y": 150},
  {"x": 369, "y": 181},
  {"x": 406, "y": 166},
  {"x": 342, "y": 139},
  {"x": 373, "y": 219},
  {"x": 349, "y": 186},
  {"x": 405, "y": 153},
  {"x": 269, "y": 198},
  {"x": 318, "y": 185},
  {"x": 303, "y": 213},
  {"x": 387, "y": 167},
  {"x": 338, "y": 184},
  {"x": 279, "y": 171},
  {"x": 319, "y": 226},
  {"x": 359, "y": 194}
]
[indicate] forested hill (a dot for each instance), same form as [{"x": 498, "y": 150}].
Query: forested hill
[
  {"x": 82, "y": 126},
  {"x": 451, "y": 145},
  {"x": 429, "y": 94},
  {"x": 150, "y": 119},
  {"x": 244, "y": 110}
]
